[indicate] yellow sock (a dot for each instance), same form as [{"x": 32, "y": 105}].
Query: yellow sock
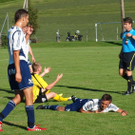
[{"x": 59, "y": 98}]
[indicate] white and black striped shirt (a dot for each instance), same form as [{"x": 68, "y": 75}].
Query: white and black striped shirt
[
  {"x": 17, "y": 41},
  {"x": 94, "y": 105}
]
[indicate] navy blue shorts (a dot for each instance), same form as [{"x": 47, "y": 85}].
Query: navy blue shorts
[
  {"x": 26, "y": 76},
  {"x": 77, "y": 105},
  {"x": 29, "y": 63}
]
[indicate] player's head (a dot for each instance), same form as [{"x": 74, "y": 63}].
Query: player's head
[
  {"x": 127, "y": 20},
  {"x": 22, "y": 15},
  {"x": 127, "y": 23},
  {"x": 105, "y": 101},
  {"x": 37, "y": 67}
]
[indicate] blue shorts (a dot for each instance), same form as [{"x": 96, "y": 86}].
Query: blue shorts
[
  {"x": 26, "y": 76},
  {"x": 76, "y": 106},
  {"x": 29, "y": 63}
]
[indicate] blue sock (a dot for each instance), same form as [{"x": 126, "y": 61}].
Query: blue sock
[
  {"x": 52, "y": 107},
  {"x": 9, "y": 107},
  {"x": 30, "y": 115}
]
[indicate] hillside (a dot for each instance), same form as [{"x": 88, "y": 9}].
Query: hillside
[{"x": 70, "y": 15}]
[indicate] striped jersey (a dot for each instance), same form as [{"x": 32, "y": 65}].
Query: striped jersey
[
  {"x": 17, "y": 41},
  {"x": 94, "y": 104}
]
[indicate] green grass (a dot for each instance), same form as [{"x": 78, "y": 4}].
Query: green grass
[
  {"x": 70, "y": 15},
  {"x": 90, "y": 69}
]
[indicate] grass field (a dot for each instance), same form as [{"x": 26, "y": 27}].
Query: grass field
[
  {"x": 90, "y": 70},
  {"x": 70, "y": 15}
]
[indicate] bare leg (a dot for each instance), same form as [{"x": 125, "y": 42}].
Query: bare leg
[
  {"x": 50, "y": 95},
  {"x": 28, "y": 96},
  {"x": 60, "y": 108},
  {"x": 18, "y": 97},
  {"x": 122, "y": 71}
]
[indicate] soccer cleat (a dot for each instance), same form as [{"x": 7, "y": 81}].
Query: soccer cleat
[
  {"x": 133, "y": 89},
  {"x": 1, "y": 126},
  {"x": 35, "y": 128},
  {"x": 41, "y": 107},
  {"x": 69, "y": 98},
  {"x": 127, "y": 93},
  {"x": 73, "y": 98}
]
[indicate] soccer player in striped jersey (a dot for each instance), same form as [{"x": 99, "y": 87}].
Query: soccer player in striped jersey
[
  {"x": 102, "y": 105},
  {"x": 18, "y": 71}
]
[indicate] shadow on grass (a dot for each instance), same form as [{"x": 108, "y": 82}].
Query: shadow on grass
[
  {"x": 8, "y": 91},
  {"x": 12, "y": 124},
  {"x": 114, "y": 43},
  {"x": 89, "y": 89}
]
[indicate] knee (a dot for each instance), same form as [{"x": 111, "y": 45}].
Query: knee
[
  {"x": 121, "y": 74},
  {"x": 53, "y": 94},
  {"x": 16, "y": 101}
]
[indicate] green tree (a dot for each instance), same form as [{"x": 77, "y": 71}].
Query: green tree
[{"x": 33, "y": 17}]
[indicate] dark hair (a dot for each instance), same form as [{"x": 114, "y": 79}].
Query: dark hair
[
  {"x": 127, "y": 20},
  {"x": 106, "y": 97},
  {"x": 20, "y": 13}
]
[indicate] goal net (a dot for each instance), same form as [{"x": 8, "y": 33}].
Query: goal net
[{"x": 108, "y": 31}]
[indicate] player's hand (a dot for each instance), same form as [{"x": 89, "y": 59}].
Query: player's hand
[
  {"x": 59, "y": 76},
  {"x": 128, "y": 35},
  {"x": 119, "y": 55},
  {"x": 124, "y": 113},
  {"x": 47, "y": 70},
  {"x": 18, "y": 77},
  {"x": 33, "y": 59}
]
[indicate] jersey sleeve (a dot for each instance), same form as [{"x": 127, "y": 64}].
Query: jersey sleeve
[
  {"x": 111, "y": 107},
  {"x": 17, "y": 38},
  {"x": 88, "y": 106},
  {"x": 114, "y": 107}
]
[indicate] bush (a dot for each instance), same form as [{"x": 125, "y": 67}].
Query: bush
[{"x": 4, "y": 41}]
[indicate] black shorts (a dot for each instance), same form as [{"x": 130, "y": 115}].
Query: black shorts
[
  {"x": 127, "y": 61},
  {"x": 41, "y": 99}
]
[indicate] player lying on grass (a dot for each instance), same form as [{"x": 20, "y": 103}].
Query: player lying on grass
[
  {"x": 102, "y": 105},
  {"x": 41, "y": 90}
]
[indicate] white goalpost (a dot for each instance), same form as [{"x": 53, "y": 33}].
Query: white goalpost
[
  {"x": 108, "y": 31},
  {"x": 25, "y": 5},
  {"x": 4, "y": 23}
]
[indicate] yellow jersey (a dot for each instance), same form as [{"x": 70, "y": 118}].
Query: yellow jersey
[{"x": 38, "y": 83}]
